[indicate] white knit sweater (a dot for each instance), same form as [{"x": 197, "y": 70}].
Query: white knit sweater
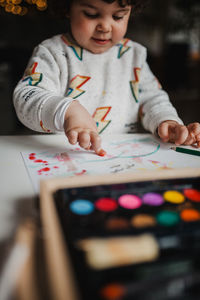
[{"x": 115, "y": 87}]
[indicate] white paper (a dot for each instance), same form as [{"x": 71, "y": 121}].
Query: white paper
[{"x": 134, "y": 153}]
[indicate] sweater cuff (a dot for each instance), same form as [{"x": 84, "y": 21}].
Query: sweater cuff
[
  {"x": 50, "y": 113},
  {"x": 60, "y": 114}
]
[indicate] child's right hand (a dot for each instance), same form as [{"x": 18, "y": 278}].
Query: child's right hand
[{"x": 80, "y": 127}]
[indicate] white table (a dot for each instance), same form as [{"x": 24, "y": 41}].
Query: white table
[
  {"x": 16, "y": 191},
  {"x": 17, "y": 200}
]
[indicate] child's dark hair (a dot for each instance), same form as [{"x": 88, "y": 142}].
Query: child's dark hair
[{"x": 60, "y": 8}]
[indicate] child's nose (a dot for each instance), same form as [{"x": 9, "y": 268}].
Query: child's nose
[{"x": 103, "y": 26}]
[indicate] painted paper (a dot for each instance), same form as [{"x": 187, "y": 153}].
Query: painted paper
[{"x": 134, "y": 153}]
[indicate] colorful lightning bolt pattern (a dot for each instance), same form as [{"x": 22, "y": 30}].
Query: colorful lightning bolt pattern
[
  {"x": 33, "y": 77},
  {"x": 99, "y": 116},
  {"x": 135, "y": 83},
  {"x": 75, "y": 84},
  {"x": 78, "y": 51},
  {"x": 122, "y": 47}
]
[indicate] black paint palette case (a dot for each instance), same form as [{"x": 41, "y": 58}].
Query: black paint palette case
[{"x": 132, "y": 239}]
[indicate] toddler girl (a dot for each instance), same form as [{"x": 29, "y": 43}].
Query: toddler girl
[{"x": 93, "y": 80}]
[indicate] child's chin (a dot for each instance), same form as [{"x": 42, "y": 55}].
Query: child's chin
[{"x": 98, "y": 51}]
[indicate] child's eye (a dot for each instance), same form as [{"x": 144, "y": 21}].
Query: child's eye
[
  {"x": 116, "y": 18},
  {"x": 89, "y": 15}
]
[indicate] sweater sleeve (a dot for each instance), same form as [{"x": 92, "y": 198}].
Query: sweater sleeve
[
  {"x": 38, "y": 95},
  {"x": 155, "y": 104}
]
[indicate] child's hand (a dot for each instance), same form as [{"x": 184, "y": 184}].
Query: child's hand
[
  {"x": 172, "y": 132},
  {"x": 80, "y": 127},
  {"x": 193, "y": 134}
]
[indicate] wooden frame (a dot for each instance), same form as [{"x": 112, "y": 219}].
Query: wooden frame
[{"x": 60, "y": 271}]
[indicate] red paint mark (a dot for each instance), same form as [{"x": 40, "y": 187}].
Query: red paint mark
[
  {"x": 102, "y": 152},
  {"x": 32, "y": 154},
  {"x": 46, "y": 169},
  {"x": 65, "y": 156},
  {"x": 59, "y": 158},
  {"x": 38, "y": 161},
  {"x": 56, "y": 167},
  {"x": 31, "y": 157},
  {"x": 81, "y": 173},
  {"x": 41, "y": 161}
]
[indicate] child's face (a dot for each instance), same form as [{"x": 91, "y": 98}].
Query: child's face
[{"x": 97, "y": 25}]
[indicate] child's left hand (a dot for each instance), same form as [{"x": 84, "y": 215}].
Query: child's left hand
[{"x": 171, "y": 131}]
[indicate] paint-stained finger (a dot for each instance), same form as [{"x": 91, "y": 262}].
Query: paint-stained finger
[{"x": 96, "y": 142}]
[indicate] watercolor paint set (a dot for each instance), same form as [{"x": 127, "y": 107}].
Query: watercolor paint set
[{"x": 127, "y": 238}]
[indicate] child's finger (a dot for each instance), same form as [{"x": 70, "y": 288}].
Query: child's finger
[
  {"x": 181, "y": 134},
  {"x": 72, "y": 136},
  {"x": 96, "y": 143},
  {"x": 194, "y": 134},
  {"x": 198, "y": 140},
  {"x": 190, "y": 140},
  {"x": 163, "y": 131},
  {"x": 84, "y": 139},
  {"x": 194, "y": 128}
]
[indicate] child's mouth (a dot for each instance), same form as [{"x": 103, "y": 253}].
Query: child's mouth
[{"x": 101, "y": 41}]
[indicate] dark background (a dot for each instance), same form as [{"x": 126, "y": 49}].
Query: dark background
[{"x": 169, "y": 29}]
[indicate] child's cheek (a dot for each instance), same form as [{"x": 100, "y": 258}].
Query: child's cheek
[
  {"x": 118, "y": 36},
  {"x": 119, "y": 33},
  {"x": 81, "y": 31},
  {"x": 86, "y": 29}
]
